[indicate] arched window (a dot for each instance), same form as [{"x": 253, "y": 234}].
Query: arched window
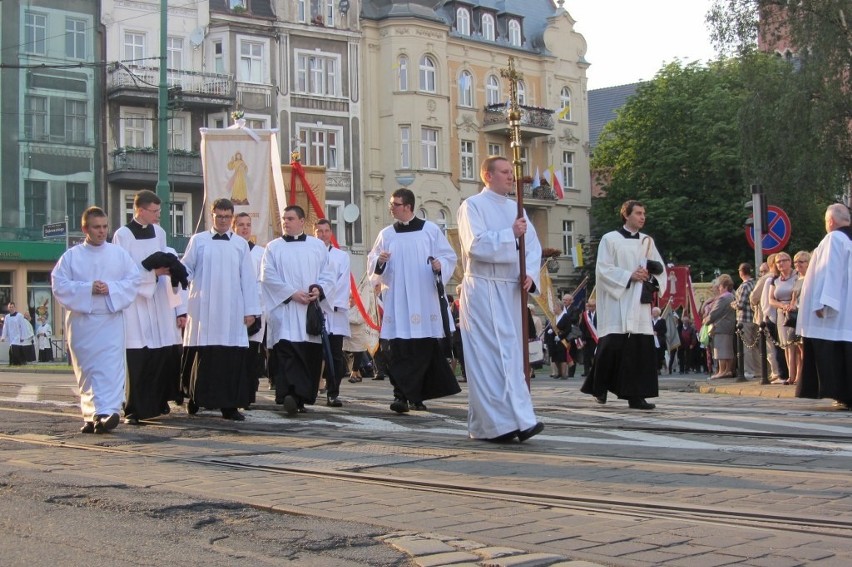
[
  {"x": 565, "y": 104},
  {"x": 492, "y": 90},
  {"x": 421, "y": 213},
  {"x": 442, "y": 221},
  {"x": 403, "y": 73},
  {"x": 522, "y": 92},
  {"x": 515, "y": 33},
  {"x": 427, "y": 74},
  {"x": 488, "y": 27},
  {"x": 463, "y": 21},
  {"x": 465, "y": 89}
]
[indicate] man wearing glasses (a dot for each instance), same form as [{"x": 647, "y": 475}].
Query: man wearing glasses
[
  {"x": 223, "y": 301},
  {"x": 151, "y": 323},
  {"x": 408, "y": 259}
]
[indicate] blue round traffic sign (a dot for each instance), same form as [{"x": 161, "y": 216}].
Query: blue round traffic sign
[{"x": 776, "y": 235}]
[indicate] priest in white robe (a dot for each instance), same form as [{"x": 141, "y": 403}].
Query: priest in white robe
[
  {"x": 256, "y": 357},
  {"x": 499, "y": 403},
  {"x": 150, "y": 322},
  {"x": 15, "y": 332},
  {"x": 336, "y": 311},
  {"x": 406, "y": 259},
  {"x": 95, "y": 282},
  {"x": 223, "y": 301},
  {"x": 294, "y": 276},
  {"x": 626, "y": 359},
  {"x": 825, "y": 314}
]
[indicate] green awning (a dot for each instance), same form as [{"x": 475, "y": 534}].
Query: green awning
[{"x": 27, "y": 251}]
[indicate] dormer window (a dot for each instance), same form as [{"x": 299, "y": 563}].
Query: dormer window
[
  {"x": 515, "y": 33},
  {"x": 488, "y": 27},
  {"x": 463, "y": 21}
]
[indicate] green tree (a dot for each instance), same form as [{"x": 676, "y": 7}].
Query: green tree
[
  {"x": 796, "y": 120},
  {"x": 675, "y": 147}
]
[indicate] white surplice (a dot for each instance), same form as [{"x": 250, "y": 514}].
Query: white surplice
[
  {"x": 490, "y": 314},
  {"x": 618, "y": 306},
  {"x": 15, "y": 329},
  {"x": 827, "y": 287},
  {"x": 94, "y": 324},
  {"x": 257, "y": 252},
  {"x": 222, "y": 291},
  {"x": 337, "y": 307},
  {"x": 289, "y": 267},
  {"x": 150, "y": 320},
  {"x": 411, "y": 306}
]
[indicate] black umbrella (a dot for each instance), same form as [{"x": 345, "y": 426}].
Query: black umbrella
[
  {"x": 445, "y": 315},
  {"x": 316, "y": 321}
]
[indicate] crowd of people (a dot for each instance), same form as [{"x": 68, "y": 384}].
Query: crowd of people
[{"x": 146, "y": 329}]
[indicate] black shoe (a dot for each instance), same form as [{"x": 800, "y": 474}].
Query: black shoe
[
  {"x": 841, "y": 406},
  {"x": 104, "y": 423},
  {"x": 505, "y": 438},
  {"x": 334, "y": 402},
  {"x": 527, "y": 433},
  {"x": 232, "y": 414},
  {"x": 290, "y": 404},
  {"x": 640, "y": 403},
  {"x": 419, "y": 406},
  {"x": 165, "y": 410},
  {"x": 88, "y": 427},
  {"x": 322, "y": 391},
  {"x": 191, "y": 407},
  {"x": 399, "y": 406},
  {"x": 131, "y": 419},
  {"x": 379, "y": 378},
  {"x": 601, "y": 399}
]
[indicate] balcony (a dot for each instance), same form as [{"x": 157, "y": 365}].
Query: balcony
[
  {"x": 137, "y": 84},
  {"x": 534, "y": 121},
  {"x": 139, "y": 165}
]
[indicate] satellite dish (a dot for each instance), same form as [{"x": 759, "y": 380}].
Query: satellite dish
[
  {"x": 196, "y": 37},
  {"x": 351, "y": 212}
]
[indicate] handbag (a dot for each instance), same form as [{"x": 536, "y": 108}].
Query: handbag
[
  {"x": 536, "y": 351},
  {"x": 314, "y": 320},
  {"x": 650, "y": 287},
  {"x": 705, "y": 333},
  {"x": 791, "y": 318}
]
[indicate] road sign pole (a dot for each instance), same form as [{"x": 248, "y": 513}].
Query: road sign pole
[{"x": 756, "y": 197}]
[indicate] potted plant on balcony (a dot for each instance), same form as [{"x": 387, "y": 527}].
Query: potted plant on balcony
[{"x": 549, "y": 257}]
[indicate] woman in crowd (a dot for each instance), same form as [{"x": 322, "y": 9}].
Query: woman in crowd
[
  {"x": 780, "y": 299},
  {"x": 724, "y": 320},
  {"x": 800, "y": 263}
]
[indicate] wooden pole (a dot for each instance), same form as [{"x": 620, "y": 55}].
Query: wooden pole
[{"x": 515, "y": 141}]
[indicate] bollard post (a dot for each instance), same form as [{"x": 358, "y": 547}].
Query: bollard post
[
  {"x": 740, "y": 346},
  {"x": 764, "y": 361}
]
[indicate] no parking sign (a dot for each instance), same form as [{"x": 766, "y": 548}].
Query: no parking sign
[{"x": 776, "y": 235}]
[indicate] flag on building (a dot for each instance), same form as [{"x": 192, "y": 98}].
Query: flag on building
[
  {"x": 536, "y": 182},
  {"x": 556, "y": 183}
]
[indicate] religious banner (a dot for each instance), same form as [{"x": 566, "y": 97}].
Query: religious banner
[
  {"x": 304, "y": 185},
  {"x": 678, "y": 291},
  {"x": 243, "y": 165}
]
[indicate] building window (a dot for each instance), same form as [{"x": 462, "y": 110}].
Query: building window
[
  {"x": 174, "y": 53},
  {"x": 257, "y": 123},
  {"x": 568, "y": 169},
  {"x": 39, "y": 297},
  {"x": 522, "y": 93},
  {"x": 427, "y": 74},
  {"x": 468, "y": 159},
  {"x": 403, "y": 73},
  {"x": 317, "y": 74},
  {"x": 514, "y": 33},
  {"x": 35, "y": 118},
  {"x": 488, "y": 27},
  {"x": 75, "y": 121},
  {"x": 492, "y": 90},
  {"x": 251, "y": 62},
  {"x": 76, "y": 201},
  {"x": 136, "y": 129},
  {"x": 302, "y": 11},
  {"x": 463, "y": 21},
  {"x": 177, "y": 132},
  {"x": 565, "y": 104},
  {"x": 75, "y": 38},
  {"x": 567, "y": 237},
  {"x": 35, "y": 204},
  {"x": 237, "y": 4},
  {"x": 465, "y": 89},
  {"x": 334, "y": 214},
  {"x": 134, "y": 47},
  {"x": 181, "y": 210},
  {"x": 218, "y": 57},
  {"x": 329, "y": 13},
  {"x": 35, "y": 33},
  {"x": 495, "y": 150},
  {"x": 319, "y": 146},
  {"x": 429, "y": 148},
  {"x": 441, "y": 221},
  {"x": 421, "y": 214},
  {"x": 405, "y": 147},
  {"x": 5, "y": 291}
]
